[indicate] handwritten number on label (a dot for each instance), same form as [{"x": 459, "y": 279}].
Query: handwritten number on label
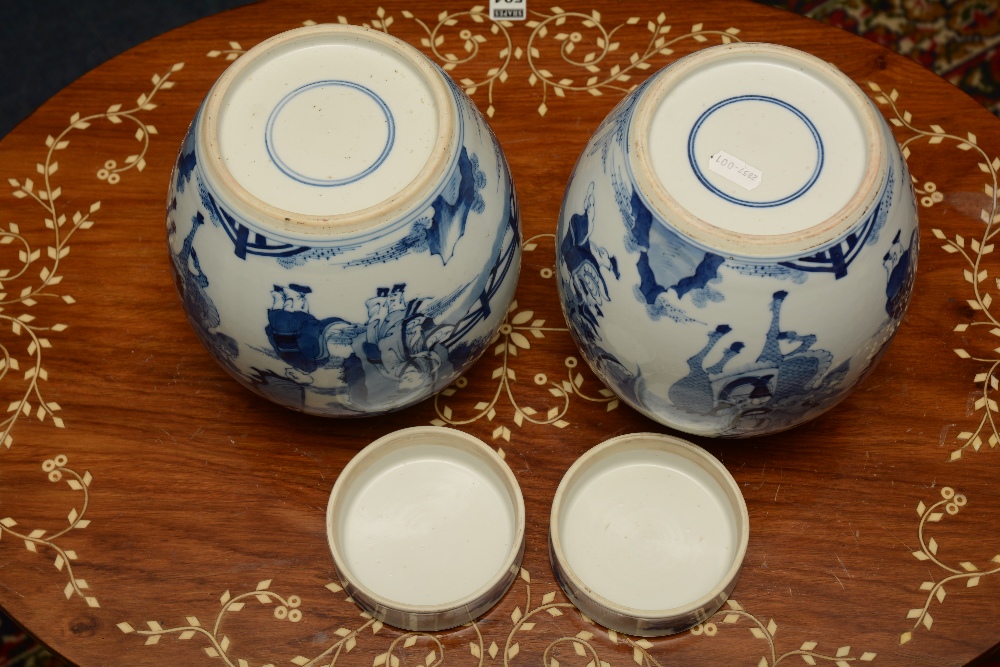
[{"x": 736, "y": 170}]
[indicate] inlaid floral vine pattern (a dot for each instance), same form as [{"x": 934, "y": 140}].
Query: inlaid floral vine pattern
[
  {"x": 36, "y": 277},
  {"x": 510, "y": 342},
  {"x": 459, "y": 38},
  {"x": 733, "y": 613},
  {"x": 587, "y": 644},
  {"x": 41, "y": 540},
  {"x": 288, "y": 609},
  {"x": 567, "y": 52},
  {"x": 967, "y": 572},
  {"x": 973, "y": 252},
  {"x": 598, "y": 61}
]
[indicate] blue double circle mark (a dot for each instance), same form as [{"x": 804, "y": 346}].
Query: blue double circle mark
[
  {"x": 756, "y": 98},
  {"x": 329, "y": 182}
]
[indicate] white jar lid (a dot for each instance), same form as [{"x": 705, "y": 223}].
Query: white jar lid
[
  {"x": 426, "y": 526},
  {"x": 647, "y": 534}
]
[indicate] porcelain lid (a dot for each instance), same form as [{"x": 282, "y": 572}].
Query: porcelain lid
[
  {"x": 426, "y": 527},
  {"x": 648, "y": 533}
]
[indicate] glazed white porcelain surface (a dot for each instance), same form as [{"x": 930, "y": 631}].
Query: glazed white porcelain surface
[
  {"x": 738, "y": 242},
  {"x": 648, "y": 533},
  {"x": 648, "y": 529},
  {"x": 344, "y": 231},
  {"x": 426, "y": 526},
  {"x": 346, "y": 124}
]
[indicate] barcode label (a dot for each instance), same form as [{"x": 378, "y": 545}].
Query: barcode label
[{"x": 508, "y": 10}]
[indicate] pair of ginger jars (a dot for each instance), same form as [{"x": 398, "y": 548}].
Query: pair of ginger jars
[{"x": 737, "y": 243}]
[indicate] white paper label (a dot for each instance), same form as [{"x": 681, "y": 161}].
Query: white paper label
[
  {"x": 735, "y": 170},
  {"x": 508, "y": 10}
]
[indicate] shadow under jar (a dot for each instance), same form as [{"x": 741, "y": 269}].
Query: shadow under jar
[
  {"x": 342, "y": 224},
  {"x": 738, "y": 242}
]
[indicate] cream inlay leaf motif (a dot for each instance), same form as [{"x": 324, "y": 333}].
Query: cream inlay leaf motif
[
  {"x": 288, "y": 608},
  {"x": 585, "y": 643},
  {"x": 973, "y": 251},
  {"x": 30, "y": 290},
  {"x": 511, "y": 340},
  {"x": 31, "y": 287},
  {"x": 952, "y": 503},
  {"x": 56, "y": 469},
  {"x": 587, "y": 54}
]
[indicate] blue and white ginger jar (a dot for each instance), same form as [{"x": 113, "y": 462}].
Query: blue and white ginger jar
[
  {"x": 342, "y": 224},
  {"x": 738, "y": 242}
]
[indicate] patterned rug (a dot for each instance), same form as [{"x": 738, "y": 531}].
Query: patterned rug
[
  {"x": 958, "y": 40},
  {"x": 19, "y": 650}
]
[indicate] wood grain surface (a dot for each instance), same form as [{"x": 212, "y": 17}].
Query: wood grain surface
[{"x": 153, "y": 512}]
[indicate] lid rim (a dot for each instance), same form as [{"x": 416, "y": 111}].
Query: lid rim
[
  {"x": 676, "y": 446},
  {"x": 483, "y": 595}
]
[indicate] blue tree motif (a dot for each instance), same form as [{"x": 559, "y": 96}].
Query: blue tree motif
[{"x": 452, "y": 207}]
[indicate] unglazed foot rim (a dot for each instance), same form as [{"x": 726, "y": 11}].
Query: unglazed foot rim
[
  {"x": 400, "y": 199},
  {"x": 716, "y": 237}
]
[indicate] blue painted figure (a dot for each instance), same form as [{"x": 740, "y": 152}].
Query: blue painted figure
[
  {"x": 796, "y": 370},
  {"x": 584, "y": 260},
  {"x": 900, "y": 272},
  {"x": 405, "y": 346},
  {"x": 295, "y": 334},
  {"x": 694, "y": 391},
  {"x": 401, "y": 342},
  {"x": 399, "y": 348},
  {"x": 191, "y": 284},
  {"x": 313, "y": 348}
]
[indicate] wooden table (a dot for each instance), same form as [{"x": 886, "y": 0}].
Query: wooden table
[{"x": 152, "y": 512}]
